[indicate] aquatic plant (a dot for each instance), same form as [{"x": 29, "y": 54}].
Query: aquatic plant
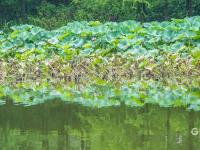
[{"x": 103, "y": 64}]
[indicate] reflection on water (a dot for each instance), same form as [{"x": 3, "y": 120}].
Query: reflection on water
[{"x": 57, "y": 126}]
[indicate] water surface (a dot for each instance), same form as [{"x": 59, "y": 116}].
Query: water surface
[{"x": 59, "y": 126}]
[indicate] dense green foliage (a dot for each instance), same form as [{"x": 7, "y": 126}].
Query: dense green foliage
[
  {"x": 105, "y": 64},
  {"x": 56, "y": 13},
  {"x": 94, "y": 38}
]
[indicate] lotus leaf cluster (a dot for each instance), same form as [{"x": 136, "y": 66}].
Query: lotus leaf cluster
[{"x": 103, "y": 64}]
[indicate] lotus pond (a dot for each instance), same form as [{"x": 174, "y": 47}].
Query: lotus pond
[
  {"x": 103, "y": 64},
  {"x": 93, "y": 85}
]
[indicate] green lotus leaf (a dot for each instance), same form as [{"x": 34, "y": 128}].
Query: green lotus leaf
[{"x": 196, "y": 53}]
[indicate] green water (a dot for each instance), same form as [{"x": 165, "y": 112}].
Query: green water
[{"x": 58, "y": 126}]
